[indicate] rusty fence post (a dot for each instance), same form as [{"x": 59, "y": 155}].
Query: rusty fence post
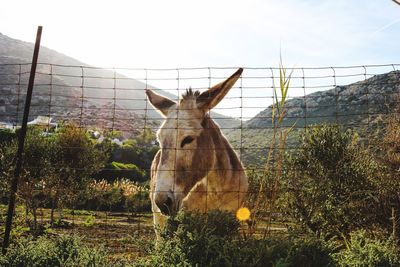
[{"x": 21, "y": 141}]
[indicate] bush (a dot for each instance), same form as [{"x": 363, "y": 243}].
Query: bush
[
  {"x": 7, "y": 154},
  {"x": 132, "y": 159},
  {"x": 7, "y": 135},
  {"x": 120, "y": 195},
  {"x": 330, "y": 182},
  {"x": 66, "y": 251},
  {"x": 388, "y": 154},
  {"x": 117, "y": 170},
  {"x": 198, "y": 239},
  {"x": 366, "y": 251},
  {"x": 213, "y": 239}
]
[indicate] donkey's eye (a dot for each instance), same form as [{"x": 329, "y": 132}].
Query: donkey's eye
[{"x": 187, "y": 140}]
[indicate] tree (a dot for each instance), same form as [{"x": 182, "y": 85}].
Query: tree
[
  {"x": 6, "y": 136},
  {"x": 117, "y": 170},
  {"x": 56, "y": 169},
  {"x": 76, "y": 159},
  {"x": 131, "y": 160},
  {"x": 387, "y": 150},
  {"x": 36, "y": 168},
  {"x": 7, "y": 154}
]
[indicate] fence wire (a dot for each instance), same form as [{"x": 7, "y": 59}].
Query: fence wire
[{"x": 111, "y": 105}]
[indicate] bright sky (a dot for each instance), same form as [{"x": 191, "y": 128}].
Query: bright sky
[
  {"x": 211, "y": 33},
  {"x": 172, "y": 33}
]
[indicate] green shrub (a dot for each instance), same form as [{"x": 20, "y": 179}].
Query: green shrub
[
  {"x": 309, "y": 250},
  {"x": 330, "y": 182},
  {"x": 214, "y": 239},
  {"x": 199, "y": 239},
  {"x": 366, "y": 251},
  {"x": 120, "y": 195},
  {"x": 7, "y": 135},
  {"x": 139, "y": 202},
  {"x": 89, "y": 221},
  {"x": 66, "y": 251},
  {"x": 117, "y": 170}
]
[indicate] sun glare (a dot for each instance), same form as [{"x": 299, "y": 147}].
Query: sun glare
[{"x": 243, "y": 214}]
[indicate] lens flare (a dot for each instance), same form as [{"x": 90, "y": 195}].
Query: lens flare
[{"x": 243, "y": 214}]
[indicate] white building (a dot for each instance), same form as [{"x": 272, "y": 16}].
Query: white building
[
  {"x": 6, "y": 125},
  {"x": 44, "y": 122}
]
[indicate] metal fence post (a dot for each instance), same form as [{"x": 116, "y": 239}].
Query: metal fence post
[{"x": 21, "y": 141}]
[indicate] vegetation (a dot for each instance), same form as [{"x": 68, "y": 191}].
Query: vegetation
[
  {"x": 60, "y": 170},
  {"x": 330, "y": 182},
  {"x": 44, "y": 251},
  {"x": 119, "y": 195},
  {"x": 214, "y": 239},
  {"x": 334, "y": 201},
  {"x": 363, "y": 250},
  {"x": 131, "y": 160},
  {"x": 265, "y": 185},
  {"x": 387, "y": 151},
  {"x": 76, "y": 160},
  {"x": 117, "y": 170}
]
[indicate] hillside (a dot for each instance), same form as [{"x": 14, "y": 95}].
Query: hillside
[
  {"x": 60, "y": 94},
  {"x": 361, "y": 105}
]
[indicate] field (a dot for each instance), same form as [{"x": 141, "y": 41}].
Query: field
[
  {"x": 116, "y": 231},
  {"x": 122, "y": 234}
]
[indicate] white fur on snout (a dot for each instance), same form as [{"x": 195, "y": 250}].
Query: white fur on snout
[{"x": 166, "y": 184}]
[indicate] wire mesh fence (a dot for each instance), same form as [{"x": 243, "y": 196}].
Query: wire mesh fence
[{"x": 87, "y": 161}]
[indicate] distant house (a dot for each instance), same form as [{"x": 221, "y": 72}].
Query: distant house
[
  {"x": 6, "y": 125},
  {"x": 100, "y": 137},
  {"x": 94, "y": 134},
  {"x": 44, "y": 122},
  {"x": 117, "y": 141}
]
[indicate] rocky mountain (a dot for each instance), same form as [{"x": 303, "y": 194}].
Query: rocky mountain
[
  {"x": 361, "y": 105},
  {"x": 72, "y": 90},
  {"x": 63, "y": 92},
  {"x": 355, "y": 104}
]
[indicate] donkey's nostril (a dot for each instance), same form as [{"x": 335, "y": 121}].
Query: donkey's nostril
[
  {"x": 165, "y": 205},
  {"x": 168, "y": 203}
]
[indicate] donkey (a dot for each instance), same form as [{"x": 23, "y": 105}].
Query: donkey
[{"x": 196, "y": 168}]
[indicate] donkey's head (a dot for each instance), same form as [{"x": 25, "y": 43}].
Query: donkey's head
[{"x": 187, "y": 149}]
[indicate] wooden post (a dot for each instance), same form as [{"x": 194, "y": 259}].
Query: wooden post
[{"x": 21, "y": 141}]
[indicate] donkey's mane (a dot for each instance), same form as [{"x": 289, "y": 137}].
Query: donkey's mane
[{"x": 190, "y": 94}]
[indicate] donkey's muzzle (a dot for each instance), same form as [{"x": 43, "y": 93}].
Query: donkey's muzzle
[{"x": 165, "y": 204}]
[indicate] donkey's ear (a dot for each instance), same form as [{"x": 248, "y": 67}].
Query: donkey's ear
[
  {"x": 161, "y": 103},
  {"x": 210, "y": 98}
]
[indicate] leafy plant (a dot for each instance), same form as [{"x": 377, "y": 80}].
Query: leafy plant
[
  {"x": 329, "y": 182},
  {"x": 213, "y": 239},
  {"x": 364, "y": 250},
  {"x": 89, "y": 221},
  {"x": 65, "y": 251},
  {"x": 387, "y": 151},
  {"x": 118, "y": 195},
  {"x": 117, "y": 170}
]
